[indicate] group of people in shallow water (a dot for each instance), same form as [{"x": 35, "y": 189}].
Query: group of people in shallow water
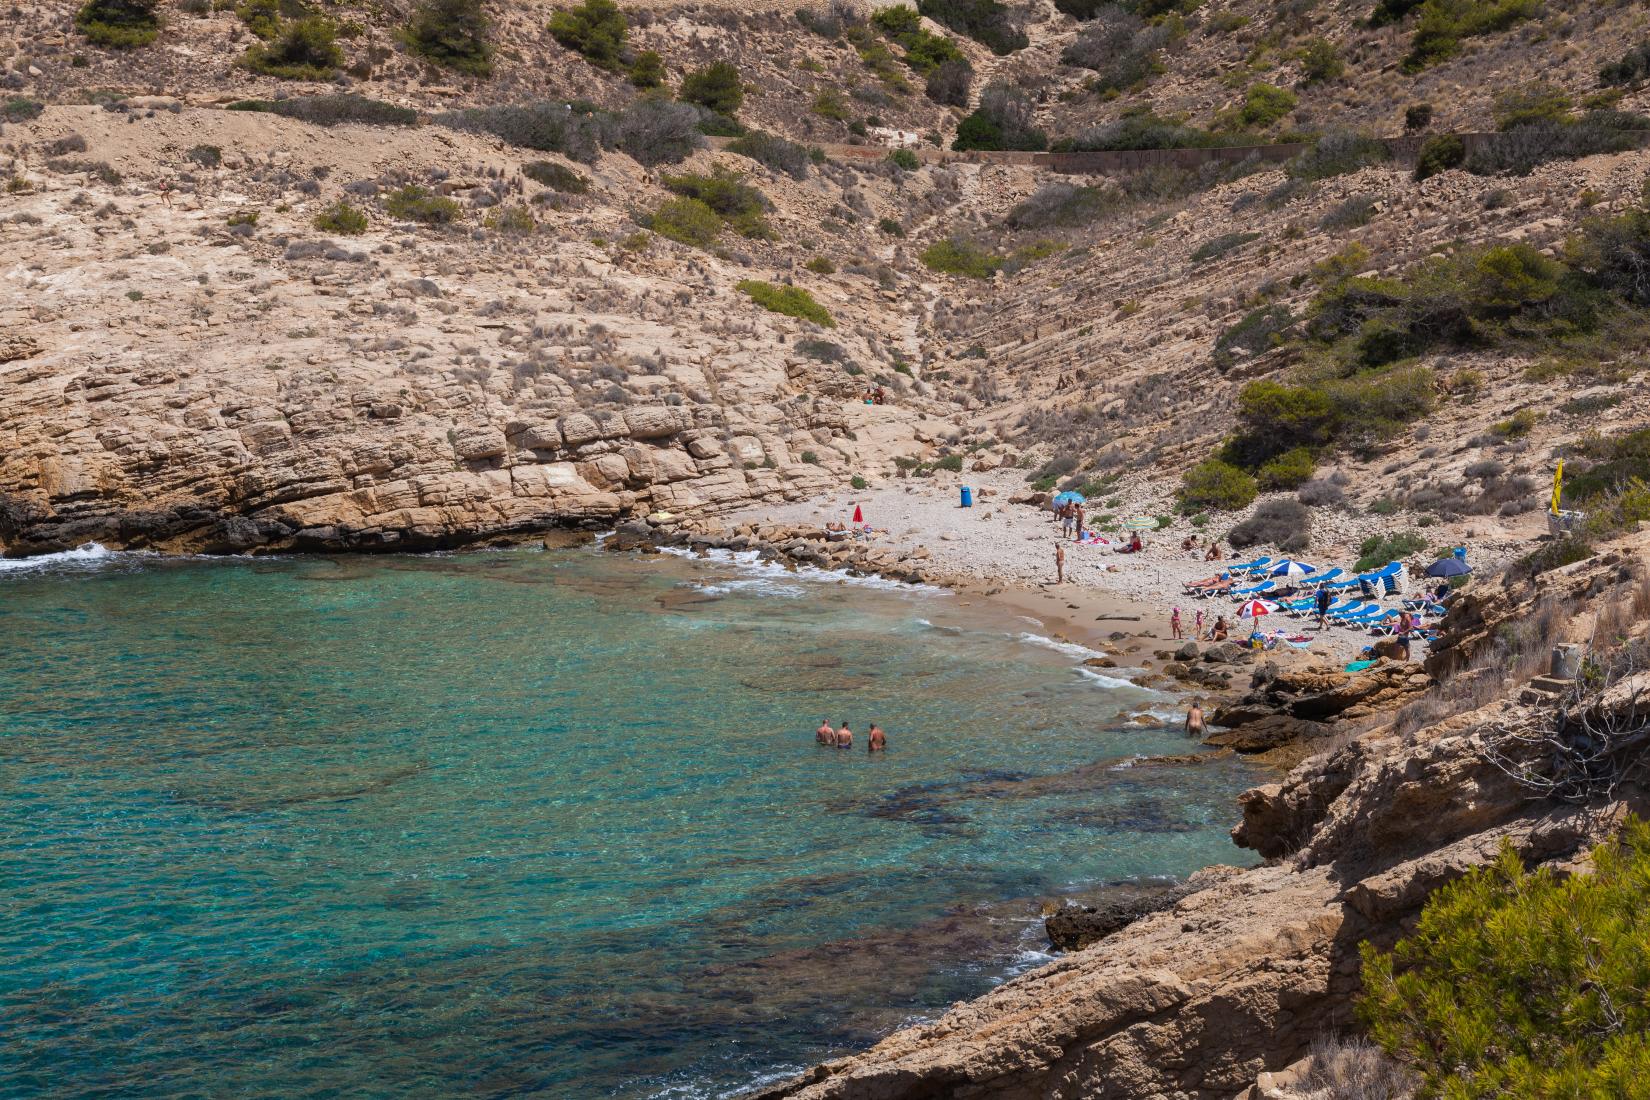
[{"x": 876, "y": 740}]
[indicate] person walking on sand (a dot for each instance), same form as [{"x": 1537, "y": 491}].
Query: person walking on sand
[
  {"x": 878, "y": 740},
  {"x": 1174, "y": 623},
  {"x": 1197, "y": 625},
  {"x": 1323, "y": 606},
  {"x": 1078, "y": 511},
  {"x": 825, "y": 735},
  {"x": 844, "y": 737},
  {"x": 1059, "y": 564},
  {"x": 1068, "y": 517},
  {"x": 1194, "y": 719}
]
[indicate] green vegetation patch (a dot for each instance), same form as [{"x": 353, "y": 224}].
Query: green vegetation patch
[
  {"x": 687, "y": 221},
  {"x": 330, "y": 110},
  {"x": 341, "y": 218},
  {"x": 1217, "y": 485},
  {"x": 716, "y": 87},
  {"x": 1376, "y": 550},
  {"x": 453, "y": 34},
  {"x": 557, "y": 177},
  {"x": 1337, "y": 154},
  {"x": 1219, "y": 246},
  {"x": 734, "y": 202},
  {"x": 1263, "y": 104},
  {"x": 304, "y": 49},
  {"x": 118, "y": 24},
  {"x": 1519, "y": 983},
  {"x": 596, "y": 29},
  {"x": 773, "y": 151},
  {"x": 792, "y": 301},
  {"x": 955, "y": 256},
  {"x": 985, "y": 21},
  {"x": 1442, "y": 24},
  {"x": 420, "y": 204}
]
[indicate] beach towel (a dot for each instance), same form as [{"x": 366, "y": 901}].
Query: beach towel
[{"x": 1359, "y": 666}]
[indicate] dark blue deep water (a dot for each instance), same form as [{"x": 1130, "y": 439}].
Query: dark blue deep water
[{"x": 531, "y": 823}]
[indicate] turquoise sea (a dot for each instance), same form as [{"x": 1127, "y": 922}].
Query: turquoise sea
[{"x": 545, "y": 823}]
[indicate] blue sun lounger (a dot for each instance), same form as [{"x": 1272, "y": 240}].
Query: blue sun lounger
[{"x": 1255, "y": 589}]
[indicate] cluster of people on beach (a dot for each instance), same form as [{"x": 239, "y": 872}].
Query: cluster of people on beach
[
  {"x": 873, "y": 395},
  {"x": 843, "y": 738},
  {"x": 1216, "y": 631}
]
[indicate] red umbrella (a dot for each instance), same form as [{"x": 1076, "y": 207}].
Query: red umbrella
[
  {"x": 1256, "y": 608},
  {"x": 859, "y": 517}
]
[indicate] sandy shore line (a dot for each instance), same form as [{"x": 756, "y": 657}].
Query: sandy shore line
[{"x": 1005, "y": 552}]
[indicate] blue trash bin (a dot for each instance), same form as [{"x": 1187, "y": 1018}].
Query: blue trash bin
[
  {"x": 967, "y": 497},
  {"x": 1461, "y": 553}
]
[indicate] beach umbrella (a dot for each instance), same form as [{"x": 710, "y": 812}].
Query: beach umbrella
[
  {"x": 1448, "y": 567},
  {"x": 1140, "y": 523},
  {"x": 859, "y": 517},
  {"x": 1291, "y": 570},
  {"x": 1254, "y": 609},
  {"x": 1069, "y": 497}
]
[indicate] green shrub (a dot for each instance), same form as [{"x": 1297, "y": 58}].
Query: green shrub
[
  {"x": 1608, "y": 462},
  {"x": 1631, "y": 70},
  {"x": 242, "y": 217},
  {"x": 546, "y": 126},
  {"x": 1524, "y": 984},
  {"x": 1337, "y": 154},
  {"x": 1556, "y": 555},
  {"x": 648, "y": 70},
  {"x": 341, "y": 218},
  {"x": 727, "y": 196},
  {"x": 858, "y": 482},
  {"x": 1219, "y": 246},
  {"x": 1417, "y": 116},
  {"x": 1516, "y": 426},
  {"x": 595, "y": 29},
  {"x": 904, "y": 159},
  {"x": 780, "y": 154},
  {"x": 1376, "y": 550},
  {"x": 810, "y": 457},
  {"x": 986, "y": 21},
  {"x": 950, "y": 463},
  {"x": 897, "y": 20},
  {"x": 557, "y": 177},
  {"x": 305, "y": 49},
  {"x": 954, "y": 256},
  {"x": 821, "y": 265},
  {"x": 792, "y": 301},
  {"x": 1320, "y": 61},
  {"x": 716, "y": 86},
  {"x": 890, "y": 227},
  {"x": 118, "y": 24},
  {"x": 1259, "y": 331},
  {"x": 1289, "y": 470},
  {"x": 330, "y": 110},
  {"x": 1443, "y": 23},
  {"x": 1440, "y": 154},
  {"x": 688, "y": 221},
  {"x": 263, "y": 17},
  {"x": 19, "y": 109},
  {"x": 1263, "y": 104},
  {"x": 1217, "y": 485},
  {"x": 452, "y": 34},
  {"x": 514, "y": 220},
  {"x": 1002, "y": 121},
  {"x": 419, "y": 204},
  {"x": 207, "y": 156},
  {"x": 829, "y": 104}
]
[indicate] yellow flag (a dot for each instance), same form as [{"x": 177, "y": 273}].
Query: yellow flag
[{"x": 1558, "y": 484}]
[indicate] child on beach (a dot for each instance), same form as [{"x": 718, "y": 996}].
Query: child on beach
[
  {"x": 1197, "y": 625},
  {"x": 1174, "y": 623}
]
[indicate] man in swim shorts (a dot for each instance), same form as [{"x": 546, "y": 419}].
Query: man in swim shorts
[
  {"x": 825, "y": 735},
  {"x": 844, "y": 737}
]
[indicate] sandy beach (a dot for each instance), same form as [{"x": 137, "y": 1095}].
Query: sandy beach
[{"x": 1005, "y": 552}]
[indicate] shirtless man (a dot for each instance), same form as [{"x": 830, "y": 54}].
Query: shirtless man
[
  {"x": 1194, "y": 719},
  {"x": 844, "y": 737},
  {"x": 1059, "y": 564},
  {"x": 878, "y": 740},
  {"x": 825, "y": 735}
]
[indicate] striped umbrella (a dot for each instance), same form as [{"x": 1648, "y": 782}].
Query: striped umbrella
[
  {"x": 1140, "y": 523},
  {"x": 1293, "y": 570},
  {"x": 1254, "y": 609}
]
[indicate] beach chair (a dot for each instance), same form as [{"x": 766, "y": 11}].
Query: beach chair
[
  {"x": 1255, "y": 589},
  {"x": 1193, "y": 587},
  {"x": 1250, "y": 567},
  {"x": 1328, "y": 576},
  {"x": 1298, "y": 607},
  {"x": 1367, "y": 617},
  {"x": 1351, "y": 611}
]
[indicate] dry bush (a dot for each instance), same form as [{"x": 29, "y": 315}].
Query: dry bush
[{"x": 1353, "y": 1068}]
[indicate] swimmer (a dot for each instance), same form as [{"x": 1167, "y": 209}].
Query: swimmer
[
  {"x": 878, "y": 740},
  {"x": 844, "y": 737},
  {"x": 825, "y": 735}
]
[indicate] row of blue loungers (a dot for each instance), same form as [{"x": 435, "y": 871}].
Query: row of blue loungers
[{"x": 1352, "y": 611}]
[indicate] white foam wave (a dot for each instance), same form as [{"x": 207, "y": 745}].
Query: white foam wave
[
  {"x": 90, "y": 555},
  {"x": 751, "y": 561},
  {"x": 1107, "y": 681},
  {"x": 1071, "y": 649}
]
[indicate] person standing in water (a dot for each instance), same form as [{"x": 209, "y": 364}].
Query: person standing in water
[
  {"x": 1194, "y": 719},
  {"x": 1059, "y": 564},
  {"x": 878, "y": 741},
  {"x": 825, "y": 735},
  {"x": 844, "y": 737}
]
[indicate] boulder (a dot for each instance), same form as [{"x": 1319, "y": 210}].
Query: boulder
[
  {"x": 1270, "y": 732},
  {"x": 1074, "y": 927},
  {"x": 477, "y": 443},
  {"x": 542, "y": 437},
  {"x": 656, "y": 422}
]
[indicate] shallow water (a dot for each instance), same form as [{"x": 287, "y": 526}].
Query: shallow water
[{"x": 498, "y": 824}]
